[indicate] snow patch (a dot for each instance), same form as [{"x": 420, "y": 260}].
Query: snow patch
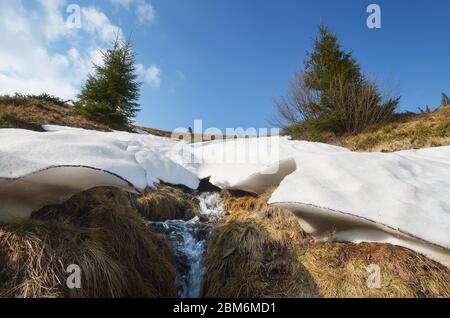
[
  {"x": 405, "y": 195},
  {"x": 50, "y": 167},
  {"x": 252, "y": 164},
  {"x": 19, "y": 197}
]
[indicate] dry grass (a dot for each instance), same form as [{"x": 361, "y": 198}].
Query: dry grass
[
  {"x": 156, "y": 132},
  {"x": 42, "y": 112},
  {"x": 340, "y": 270},
  {"x": 166, "y": 203},
  {"x": 260, "y": 251},
  {"x": 97, "y": 230},
  {"x": 251, "y": 253},
  {"x": 410, "y": 132}
]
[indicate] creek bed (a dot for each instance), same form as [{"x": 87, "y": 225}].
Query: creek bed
[{"x": 190, "y": 240}]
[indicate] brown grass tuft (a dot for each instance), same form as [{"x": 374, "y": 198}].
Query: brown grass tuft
[
  {"x": 250, "y": 254},
  {"x": 166, "y": 203},
  {"x": 261, "y": 251},
  {"x": 240, "y": 202},
  {"x": 100, "y": 232}
]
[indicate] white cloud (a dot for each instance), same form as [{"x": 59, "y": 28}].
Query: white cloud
[
  {"x": 145, "y": 12},
  {"x": 29, "y": 60},
  {"x": 97, "y": 23},
  {"x": 54, "y": 27},
  {"x": 151, "y": 75},
  {"x": 123, "y": 3},
  {"x": 25, "y": 63}
]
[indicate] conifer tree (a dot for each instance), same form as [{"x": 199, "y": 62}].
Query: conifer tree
[
  {"x": 111, "y": 94},
  {"x": 327, "y": 61},
  {"x": 332, "y": 94}
]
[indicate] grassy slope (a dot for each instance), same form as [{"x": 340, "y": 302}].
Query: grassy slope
[
  {"x": 18, "y": 112},
  {"x": 408, "y": 132},
  {"x": 32, "y": 113}
]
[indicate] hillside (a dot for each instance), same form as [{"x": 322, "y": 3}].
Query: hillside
[
  {"x": 410, "y": 131},
  {"x": 31, "y": 112}
]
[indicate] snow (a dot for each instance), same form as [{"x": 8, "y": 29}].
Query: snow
[
  {"x": 252, "y": 164},
  {"x": 55, "y": 165},
  {"x": 401, "y": 198},
  {"x": 151, "y": 153},
  {"x": 25, "y": 152},
  {"x": 405, "y": 195},
  {"x": 21, "y": 196}
]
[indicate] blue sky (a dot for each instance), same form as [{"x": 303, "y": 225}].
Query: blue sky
[{"x": 223, "y": 61}]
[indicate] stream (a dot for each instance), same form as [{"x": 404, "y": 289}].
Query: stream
[{"x": 189, "y": 240}]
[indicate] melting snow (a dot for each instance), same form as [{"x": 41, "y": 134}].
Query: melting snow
[
  {"x": 405, "y": 195},
  {"x": 401, "y": 198}
]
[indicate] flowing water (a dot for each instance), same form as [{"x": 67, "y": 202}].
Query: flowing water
[{"x": 189, "y": 240}]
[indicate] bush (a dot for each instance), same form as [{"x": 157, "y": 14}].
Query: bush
[
  {"x": 50, "y": 99},
  {"x": 357, "y": 107},
  {"x": 13, "y": 120},
  {"x": 354, "y": 107},
  {"x": 332, "y": 95},
  {"x": 22, "y": 100}
]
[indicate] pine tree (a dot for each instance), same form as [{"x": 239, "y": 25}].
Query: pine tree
[
  {"x": 327, "y": 62},
  {"x": 111, "y": 94},
  {"x": 445, "y": 100},
  {"x": 332, "y": 94}
]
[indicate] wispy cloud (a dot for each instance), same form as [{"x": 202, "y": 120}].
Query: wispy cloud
[
  {"x": 40, "y": 54},
  {"x": 145, "y": 12},
  {"x": 123, "y": 3},
  {"x": 143, "y": 9},
  {"x": 151, "y": 75}
]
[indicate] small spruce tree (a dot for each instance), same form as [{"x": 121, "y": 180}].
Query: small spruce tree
[
  {"x": 110, "y": 96},
  {"x": 327, "y": 61},
  {"x": 332, "y": 94},
  {"x": 445, "y": 100}
]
